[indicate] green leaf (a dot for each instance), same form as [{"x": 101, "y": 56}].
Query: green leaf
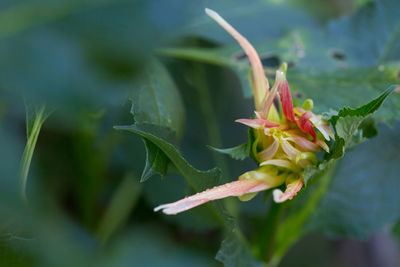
[
  {"x": 362, "y": 197},
  {"x": 157, "y": 101},
  {"x": 239, "y": 152},
  {"x": 372, "y": 35},
  {"x": 156, "y": 161},
  {"x": 346, "y": 123},
  {"x": 243, "y": 16},
  {"x": 198, "y": 180}
]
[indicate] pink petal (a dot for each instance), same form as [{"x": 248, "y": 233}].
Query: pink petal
[
  {"x": 235, "y": 188},
  {"x": 268, "y": 101},
  {"x": 291, "y": 190},
  {"x": 286, "y": 99},
  {"x": 269, "y": 152},
  {"x": 305, "y": 144},
  {"x": 258, "y": 123},
  {"x": 289, "y": 149},
  {"x": 319, "y": 123},
  {"x": 305, "y": 125},
  {"x": 260, "y": 83}
]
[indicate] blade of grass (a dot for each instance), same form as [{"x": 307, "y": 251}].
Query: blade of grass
[{"x": 32, "y": 136}]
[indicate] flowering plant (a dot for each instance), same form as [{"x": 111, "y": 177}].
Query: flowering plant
[{"x": 285, "y": 142}]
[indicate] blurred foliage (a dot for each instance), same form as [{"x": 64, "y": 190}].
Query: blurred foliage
[{"x": 91, "y": 63}]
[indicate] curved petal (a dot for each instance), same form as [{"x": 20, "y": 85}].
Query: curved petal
[
  {"x": 258, "y": 123},
  {"x": 268, "y": 101},
  {"x": 285, "y": 96},
  {"x": 325, "y": 130},
  {"x": 291, "y": 190},
  {"x": 305, "y": 125},
  {"x": 306, "y": 145},
  {"x": 281, "y": 163},
  {"x": 321, "y": 124},
  {"x": 260, "y": 83},
  {"x": 269, "y": 152},
  {"x": 323, "y": 145},
  {"x": 236, "y": 188},
  {"x": 289, "y": 149}
]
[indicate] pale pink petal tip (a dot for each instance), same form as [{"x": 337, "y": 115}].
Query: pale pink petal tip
[
  {"x": 260, "y": 83},
  {"x": 290, "y": 192},
  {"x": 236, "y": 188},
  {"x": 257, "y": 123}
]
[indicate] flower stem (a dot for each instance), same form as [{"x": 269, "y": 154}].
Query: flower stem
[{"x": 269, "y": 231}]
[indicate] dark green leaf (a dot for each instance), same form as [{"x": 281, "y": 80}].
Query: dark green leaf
[
  {"x": 157, "y": 101},
  {"x": 198, "y": 180},
  {"x": 362, "y": 197},
  {"x": 346, "y": 123},
  {"x": 239, "y": 152},
  {"x": 275, "y": 17},
  {"x": 348, "y": 120},
  {"x": 156, "y": 161},
  {"x": 372, "y": 36}
]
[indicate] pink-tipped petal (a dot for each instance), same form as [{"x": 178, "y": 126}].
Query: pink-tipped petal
[
  {"x": 326, "y": 131},
  {"x": 305, "y": 125},
  {"x": 268, "y": 101},
  {"x": 269, "y": 152},
  {"x": 323, "y": 145},
  {"x": 260, "y": 83},
  {"x": 290, "y": 151},
  {"x": 306, "y": 145},
  {"x": 321, "y": 124},
  {"x": 236, "y": 188},
  {"x": 258, "y": 123},
  {"x": 291, "y": 190}
]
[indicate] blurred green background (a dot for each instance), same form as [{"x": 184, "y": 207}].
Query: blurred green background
[{"x": 85, "y": 60}]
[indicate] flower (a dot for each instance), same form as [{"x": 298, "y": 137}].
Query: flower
[{"x": 285, "y": 142}]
